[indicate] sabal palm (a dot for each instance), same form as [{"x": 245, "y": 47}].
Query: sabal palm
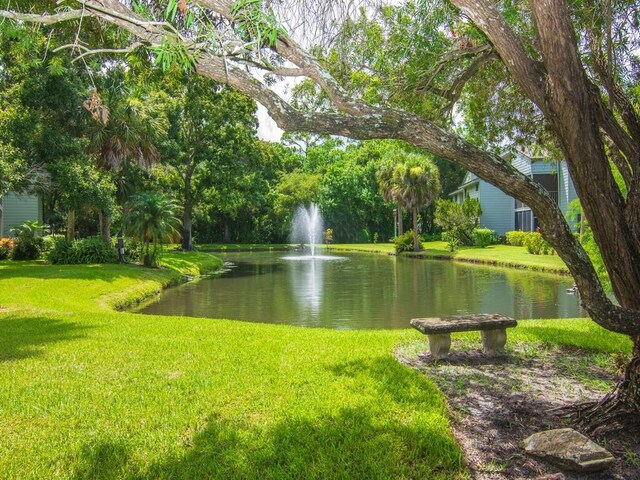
[
  {"x": 152, "y": 219},
  {"x": 387, "y": 177},
  {"x": 418, "y": 183},
  {"x": 123, "y": 130}
]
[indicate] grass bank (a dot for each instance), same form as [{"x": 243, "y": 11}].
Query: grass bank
[
  {"x": 87, "y": 392},
  {"x": 242, "y": 247},
  {"x": 499, "y": 255}
]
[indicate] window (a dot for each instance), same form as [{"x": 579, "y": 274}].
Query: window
[
  {"x": 549, "y": 181},
  {"x": 523, "y": 220}
]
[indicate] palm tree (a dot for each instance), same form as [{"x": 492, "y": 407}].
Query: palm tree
[
  {"x": 386, "y": 176},
  {"x": 152, "y": 219},
  {"x": 123, "y": 131},
  {"x": 419, "y": 185}
]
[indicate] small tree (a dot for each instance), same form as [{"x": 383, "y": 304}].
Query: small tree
[
  {"x": 458, "y": 220},
  {"x": 152, "y": 218}
]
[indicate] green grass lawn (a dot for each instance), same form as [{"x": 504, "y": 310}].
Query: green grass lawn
[
  {"x": 87, "y": 392},
  {"x": 500, "y": 255}
]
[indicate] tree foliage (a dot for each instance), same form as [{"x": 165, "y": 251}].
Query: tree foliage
[{"x": 458, "y": 220}]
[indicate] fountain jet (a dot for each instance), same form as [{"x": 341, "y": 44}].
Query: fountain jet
[{"x": 307, "y": 227}]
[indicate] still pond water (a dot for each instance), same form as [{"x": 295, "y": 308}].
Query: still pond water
[{"x": 365, "y": 291}]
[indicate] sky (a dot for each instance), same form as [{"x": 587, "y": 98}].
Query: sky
[{"x": 267, "y": 128}]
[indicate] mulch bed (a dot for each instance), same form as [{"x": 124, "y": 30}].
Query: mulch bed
[{"x": 498, "y": 402}]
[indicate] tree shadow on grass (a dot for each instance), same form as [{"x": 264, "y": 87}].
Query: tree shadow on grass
[
  {"x": 23, "y": 337},
  {"x": 348, "y": 442},
  {"x": 609, "y": 342},
  {"x": 102, "y": 461}
]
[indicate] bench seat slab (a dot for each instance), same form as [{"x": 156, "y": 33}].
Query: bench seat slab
[{"x": 462, "y": 323}]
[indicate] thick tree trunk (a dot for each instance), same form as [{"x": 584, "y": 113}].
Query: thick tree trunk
[
  {"x": 1, "y": 217},
  {"x": 416, "y": 241},
  {"x": 187, "y": 243},
  {"x": 400, "y": 228},
  {"x": 630, "y": 388},
  {"x": 71, "y": 225},
  {"x": 105, "y": 222}
]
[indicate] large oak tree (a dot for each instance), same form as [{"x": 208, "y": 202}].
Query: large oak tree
[{"x": 576, "y": 81}]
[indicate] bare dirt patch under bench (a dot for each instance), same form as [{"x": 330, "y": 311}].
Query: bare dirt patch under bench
[{"x": 497, "y": 402}]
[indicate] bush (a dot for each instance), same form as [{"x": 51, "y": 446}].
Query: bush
[
  {"x": 328, "y": 235},
  {"x": 6, "y": 244},
  {"x": 483, "y": 237},
  {"x": 516, "y": 238},
  {"x": 458, "y": 221},
  {"x": 404, "y": 242},
  {"x": 49, "y": 242},
  {"x": 537, "y": 245},
  {"x": 430, "y": 237},
  {"x": 27, "y": 244},
  {"x": 84, "y": 251},
  {"x": 132, "y": 249},
  {"x": 452, "y": 239}
]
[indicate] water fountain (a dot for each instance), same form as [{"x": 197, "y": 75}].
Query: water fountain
[
  {"x": 307, "y": 226},
  {"x": 306, "y": 230}
]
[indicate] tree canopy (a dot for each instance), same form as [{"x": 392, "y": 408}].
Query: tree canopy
[{"x": 554, "y": 75}]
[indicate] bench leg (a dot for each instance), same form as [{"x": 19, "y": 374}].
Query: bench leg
[
  {"x": 439, "y": 345},
  {"x": 493, "y": 341}
]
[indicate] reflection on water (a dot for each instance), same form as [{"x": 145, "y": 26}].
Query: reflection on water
[{"x": 364, "y": 291}]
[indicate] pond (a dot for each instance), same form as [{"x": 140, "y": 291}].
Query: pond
[{"x": 365, "y": 291}]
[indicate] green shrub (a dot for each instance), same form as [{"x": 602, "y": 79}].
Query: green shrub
[
  {"x": 132, "y": 250},
  {"x": 458, "y": 221},
  {"x": 452, "y": 239},
  {"x": 84, "y": 251},
  {"x": 536, "y": 245},
  {"x": 28, "y": 243},
  {"x": 430, "y": 237},
  {"x": 152, "y": 219},
  {"x": 516, "y": 238},
  {"x": 6, "y": 244},
  {"x": 483, "y": 237},
  {"x": 49, "y": 242},
  {"x": 404, "y": 242}
]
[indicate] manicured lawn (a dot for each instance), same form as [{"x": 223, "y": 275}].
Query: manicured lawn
[
  {"x": 87, "y": 392},
  {"x": 500, "y": 255}
]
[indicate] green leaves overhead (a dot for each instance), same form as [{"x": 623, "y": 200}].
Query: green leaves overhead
[
  {"x": 256, "y": 23},
  {"x": 171, "y": 52}
]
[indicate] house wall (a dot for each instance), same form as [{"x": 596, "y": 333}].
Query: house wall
[
  {"x": 497, "y": 208},
  {"x": 18, "y": 209},
  {"x": 522, "y": 163}
]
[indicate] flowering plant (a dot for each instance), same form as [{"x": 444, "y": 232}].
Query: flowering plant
[{"x": 6, "y": 244}]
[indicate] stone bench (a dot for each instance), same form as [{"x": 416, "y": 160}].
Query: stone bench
[{"x": 492, "y": 326}]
